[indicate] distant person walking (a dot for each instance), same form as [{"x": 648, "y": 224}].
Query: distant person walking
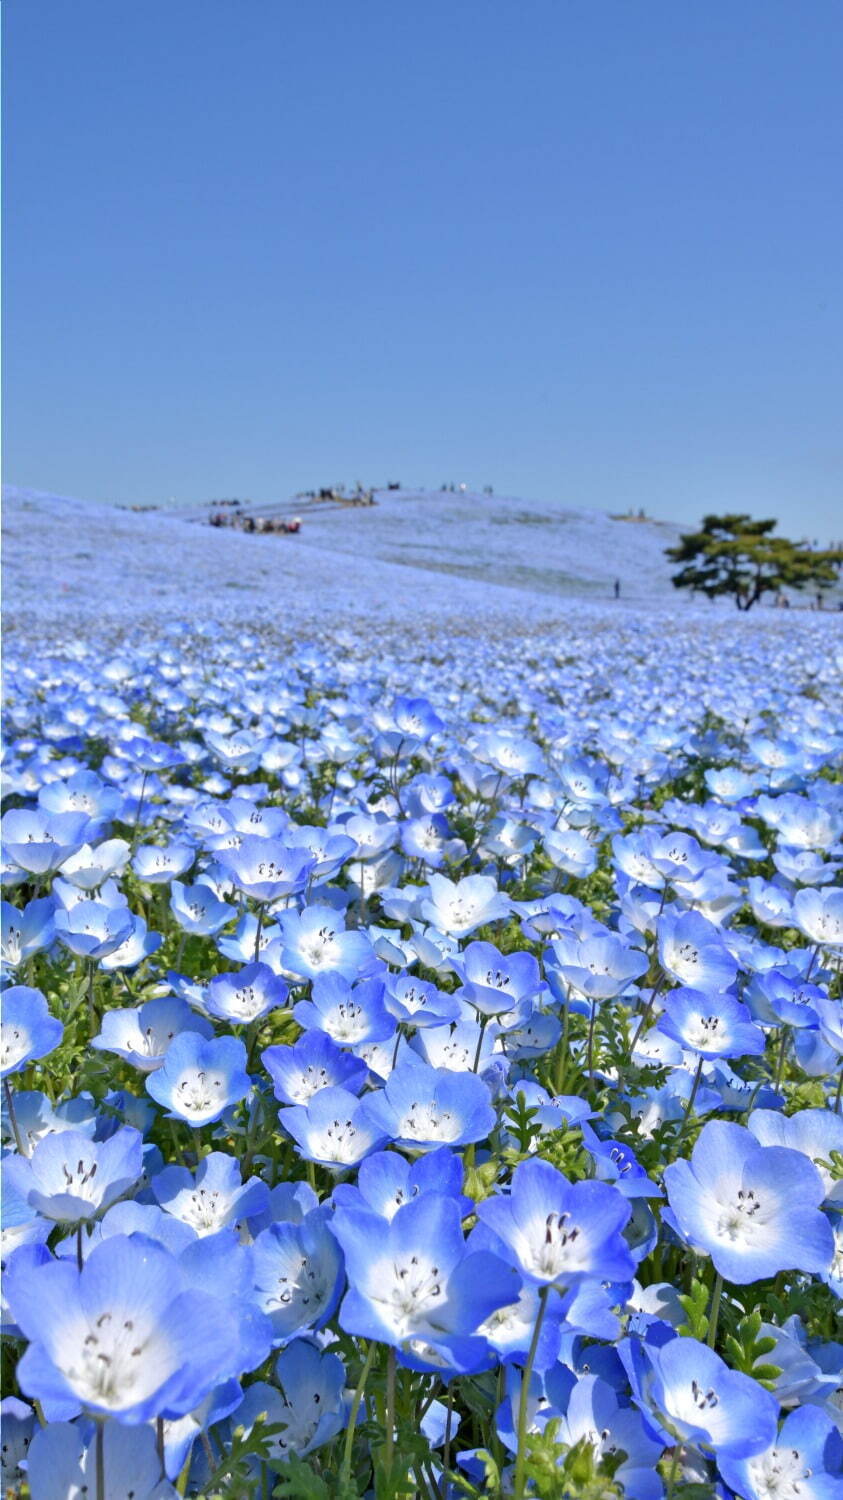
[{"x": 617, "y": 588}]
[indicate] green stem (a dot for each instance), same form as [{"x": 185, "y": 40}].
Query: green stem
[
  {"x": 562, "y": 1053},
  {"x": 136, "y": 828},
  {"x": 519, "y": 1486},
  {"x": 345, "y": 1471},
  {"x": 589, "y": 1054},
  {"x": 446, "y": 1449},
  {"x": 691, "y": 1097},
  {"x": 100, "y": 1460},
  {"x": 13, "y": 1119},
  {"x": 80, "y": 1259},
  {"x": 483, "y": 1024},
  {"x": 92, "y": 1014},
  {"x": 838, "y": 1097},
  {"x": 389, "y": 1422},
  {"x": 674, "y": 1470},
  {"x": 645, "y": 1014},
  {"x": 258, "y": 930},
  {"x": 780, "y": 1064},
  {"x": 714, "y": 1312}
]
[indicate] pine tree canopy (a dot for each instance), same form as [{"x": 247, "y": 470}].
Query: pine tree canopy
[{"x": 734, "y": 554}]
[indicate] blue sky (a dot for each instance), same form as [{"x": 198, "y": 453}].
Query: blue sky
[{"x": 582, "y": 250}]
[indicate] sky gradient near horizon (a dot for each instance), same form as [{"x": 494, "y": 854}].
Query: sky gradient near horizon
[{"x": 586, "y": 253}]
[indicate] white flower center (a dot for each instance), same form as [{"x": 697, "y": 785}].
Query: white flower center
[{"x": 424, "y": 1122}]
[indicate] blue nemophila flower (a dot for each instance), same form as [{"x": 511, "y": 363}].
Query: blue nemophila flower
[
  {"x": 809, "y": 1369},
  {"x": 805, "y": 1462},
  {"x": 428, "y": 838},
  {"x": 181, "y": 1433},
  {"x": 634, "y": 857},
  {"x": 298, "y": 1274},
  {"x": 783, "y": 996},
  {"x": 570, "y": 852},
  {"x": 510, "y": 754},
  {"x": 494, "y": 983},
  {"x": 27, "y": 1030},
  {"x": 307, "y": 1402},
  {"x": 598, "y": 965},
  {"x": 246, "y": 996},
  {"x": 237, "y": 752},
  {"x": 69, "y": 1177},
  {"x": 158, "y": 864},
  {"x": 459, "y": 908},
  {"x": 211, "y": 1199},
  {"x": 200, "y": 1078},
  {"x": 222, "y": 1266},
  {"x": 334, "y": 1128},
  {"x": 89, "y": 867},
  {"x": 150, "y": 755},
  {"x": 267, "y": 868},
  {"x": 692, "y": 951},
  {"x": 136, "y": 947},
  {"x": 460, "y": 1045},
  {"x": 240, "y": 945},
  {"x": 351, "y": 1014},
  {"x": 83, "y": 792},
  {"x": 314, "y": 1062},
  {"x": 326, "y": 846},
  {"x": 18, "y": 1422},
  {"x": 616, "y": 1162},
  {"x": 830, "y": 1014},
  {"x": 710, "y": 1025},
  {"x": 373, "y": 835},
  {"x": 426, "y": 793},
  {"x": 814, "y": 1132},
  {"x": 509, "y": 1329},
  {"x": 753, "y": 1208},
  {"x": 413, "y": 1283},
  {"x": 386, "y": 1181},
  {"x": 315, "y": 942},
  {"x": 415, "y": 720},
  {"x": 771, "y": 903},
  {"x": 819, "y": 914},
  {"x": 687, "y": 1394},
  {"x": 39, "y": 842},
  {"x": 128, "y": 1217},
  {"x": 594, "y": 1416},
  {"x": 122, "y": 1337},
  {"x": 679, "y": 858},
  {"x": 418, "y": 1003},
  {"x": 37, "y": 1117},
  {"x": 25, "y": 932},
  {"x": 729, "y": 783},
  {"x": 421, "y": 1107},
  {"x": 62, "y": 1463},
  {"x": 804, "y": 867},
  {"x": 90, "y": 929},
  {"x": 197, "y": 910},
  {"x": 143, "y": 1033},
  {"x": 20, "y": 1221},
  {"x": 557, "y": 1232}
]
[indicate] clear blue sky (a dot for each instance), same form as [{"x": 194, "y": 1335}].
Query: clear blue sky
[{"x": 585, "y": 250}]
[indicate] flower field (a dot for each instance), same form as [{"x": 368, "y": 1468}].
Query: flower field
[{"x": 422, "y": 1059}]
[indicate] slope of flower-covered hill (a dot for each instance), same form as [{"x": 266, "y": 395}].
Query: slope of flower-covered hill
[{"x": 411, "y": 555}]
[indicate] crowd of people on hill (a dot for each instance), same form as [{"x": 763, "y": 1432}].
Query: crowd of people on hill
[{"x": 238, "y": 519}]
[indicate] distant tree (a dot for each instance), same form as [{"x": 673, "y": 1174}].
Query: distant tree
[{"x": 735, "y": 555}]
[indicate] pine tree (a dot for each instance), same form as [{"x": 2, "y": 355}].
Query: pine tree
[{"x": 733, "y": 554}]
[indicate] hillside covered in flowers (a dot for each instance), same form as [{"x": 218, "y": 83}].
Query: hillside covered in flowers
[{"x": 422, "y": 1034}]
